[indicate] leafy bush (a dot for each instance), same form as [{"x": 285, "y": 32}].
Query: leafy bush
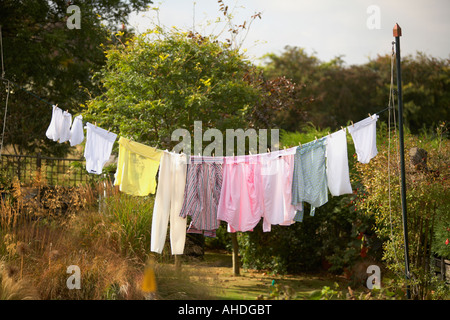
[
  {"x": 441, "y": 239},
  {"x": 428, "y": 205}
]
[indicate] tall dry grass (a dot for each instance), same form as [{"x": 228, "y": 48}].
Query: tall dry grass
[
  {"x": 14, "y": 288},
  {"x": 105, "y": 233}
]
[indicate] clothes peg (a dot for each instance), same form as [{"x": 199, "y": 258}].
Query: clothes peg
[
  {"x": 342, "y": 128},
  {"x": 316, "y": 138},
  {"x": 370, "y": 115},
  {"x": 352, "y": 123},
  {"x": 268, "y": 150}
]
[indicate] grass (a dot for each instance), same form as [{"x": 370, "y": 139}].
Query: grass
[{"x": 216, "y": 271}]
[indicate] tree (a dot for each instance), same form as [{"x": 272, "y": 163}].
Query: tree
[
  {"x": 336, "y": 93},
  {"x": 426, "y": 91},
  {"x": 340, "y": 94},
  {"x": 153, "y": 87},
  {"x": 48, "y": 63}
]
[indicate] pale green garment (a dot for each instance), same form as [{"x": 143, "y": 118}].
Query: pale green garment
[{"x": 309, "y": 183}]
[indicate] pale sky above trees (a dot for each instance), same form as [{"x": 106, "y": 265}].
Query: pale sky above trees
[{"x": 327, "y": 28}]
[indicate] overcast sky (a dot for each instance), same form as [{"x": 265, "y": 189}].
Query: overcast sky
[{"x": 326, "y": 28}]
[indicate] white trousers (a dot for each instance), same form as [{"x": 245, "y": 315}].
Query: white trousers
[{"x": 168, "y": 203}]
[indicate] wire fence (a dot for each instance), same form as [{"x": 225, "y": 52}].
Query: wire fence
[{"x": 53, "y": 171}]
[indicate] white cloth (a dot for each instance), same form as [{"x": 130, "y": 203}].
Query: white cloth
[
  {"x": 364, "y": 135},
  {"x": 53, "y": 130},
  {"x": 168, "y": 202},
  {"x": 338, "y": 176},
  {"x": 277, "y": 169},
  {"x": 76, "y": 131},
  {"x": 97, "y": 150},
  {"x": 64, "y": 131}
]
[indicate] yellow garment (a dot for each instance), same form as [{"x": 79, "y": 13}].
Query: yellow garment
[
  {"x": 137, "y": 167},
  {"x": 149, "y": 281}
]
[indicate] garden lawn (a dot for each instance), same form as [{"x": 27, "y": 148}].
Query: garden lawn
[{"x": 216, "y": 270}]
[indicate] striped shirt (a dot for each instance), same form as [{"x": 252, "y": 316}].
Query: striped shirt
[{"x": 202, "y": 193}]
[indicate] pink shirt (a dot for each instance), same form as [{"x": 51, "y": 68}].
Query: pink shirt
[{"x": 241, "y": 202}]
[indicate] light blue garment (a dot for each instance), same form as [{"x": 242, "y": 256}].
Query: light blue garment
[{"x": 309, "y": 183}]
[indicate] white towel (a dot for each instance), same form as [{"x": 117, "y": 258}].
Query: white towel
[{"x": 338, "y": 175}]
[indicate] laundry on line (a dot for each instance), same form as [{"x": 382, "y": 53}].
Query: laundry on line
[{"x": 241, "y": 191}]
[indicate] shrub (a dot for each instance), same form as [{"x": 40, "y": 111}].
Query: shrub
[{"x": 428, "y": 205}]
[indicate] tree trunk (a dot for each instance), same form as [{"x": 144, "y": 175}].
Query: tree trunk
[{"x": 236, "y": 262}]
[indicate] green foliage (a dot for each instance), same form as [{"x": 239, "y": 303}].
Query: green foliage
[
  {"x": 339, "y": 93},
  {"x": 427, "y": 197},
  {"x": 222, "y": 240},
  {"x": 441, "y": 239},
  {"x": 130, "y": 221},
  {"x": 50, "y": 63},
  {"x": 328, "y": 293},
  {"x": 279, "y": 292},
  {"x": 334, "y": 239},
  {"x": 164, "y": 80},
  {"x": 283, "y": 250}
]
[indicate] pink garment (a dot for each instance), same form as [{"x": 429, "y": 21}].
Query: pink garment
[
  {"x": 277, "y": 170},
  {"x": 241, "y": 202}
]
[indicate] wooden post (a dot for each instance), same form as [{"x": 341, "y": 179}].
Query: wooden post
[
  {"x": 236, "y": 262},
  {"x": 177, "y": 263}
]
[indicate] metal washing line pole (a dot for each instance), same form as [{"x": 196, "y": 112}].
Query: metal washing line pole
[{"x": 397, "y": 31}]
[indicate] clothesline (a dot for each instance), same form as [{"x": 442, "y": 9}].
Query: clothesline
[
  {"x": 241, "y": 193},
  {"x": 271, "y": 187},
  {"x": 27, "y": 91},
  {"x": 61, "y": 129}
]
